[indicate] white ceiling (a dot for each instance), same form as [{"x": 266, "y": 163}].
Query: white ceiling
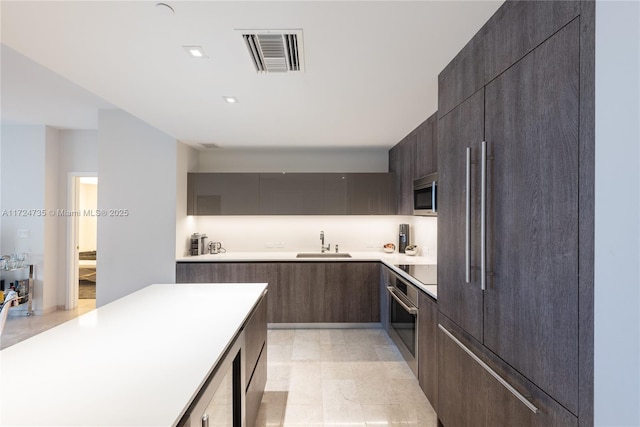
[{"x": 370, "y": 67}]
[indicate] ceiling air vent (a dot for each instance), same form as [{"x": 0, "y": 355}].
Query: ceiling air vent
[
  {"x": 208, "y": 145},
  {"x": 275, "y": 51}
]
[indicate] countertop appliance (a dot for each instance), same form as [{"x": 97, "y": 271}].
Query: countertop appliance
[
  {"x": 403, "y": 318},
  {"x": 427, "y": 274},
  {"x": 425, "y": 195},
  {"x": 197, "y": 244},
  {"x": 403, "y": 237}
]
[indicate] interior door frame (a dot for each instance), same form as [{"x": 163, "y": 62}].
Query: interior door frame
[{"x": 73, "y": 204}]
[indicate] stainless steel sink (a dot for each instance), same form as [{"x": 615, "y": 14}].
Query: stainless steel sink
[{"x": 323, "y": 255}]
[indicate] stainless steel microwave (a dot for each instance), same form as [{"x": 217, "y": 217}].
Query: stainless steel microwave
[{"x": 425, "y": 195}]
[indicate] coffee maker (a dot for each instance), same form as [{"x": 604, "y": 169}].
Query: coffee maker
[
  {"x": 197, "y": 244},
  {"x": 403, "y": 237}
]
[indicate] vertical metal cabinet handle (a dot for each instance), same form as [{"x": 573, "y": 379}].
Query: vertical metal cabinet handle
[
  {"x": 483, "y": 217},
  {"x": 467, "y": 226},
  {"x": 205, "y": 420},
  {"x": 493, "y": 373},
  {"x": 433, "y": 196}
]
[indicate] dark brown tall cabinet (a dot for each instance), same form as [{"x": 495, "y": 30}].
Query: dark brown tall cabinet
[
  {"x": 512, "y": 171},
  {"x": 413, "y": 157},
  {"x": 402, "y": 165},
  {"x": 427, "y": 147}
]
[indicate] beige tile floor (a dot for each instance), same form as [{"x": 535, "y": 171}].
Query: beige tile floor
[
  {"x": 340, "y": 377},
  {"x": 20, "y": 327},
  {"x": 316, "y": 377}
]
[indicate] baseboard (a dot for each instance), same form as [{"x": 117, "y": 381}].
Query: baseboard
[{"x": 324, "y": 325}]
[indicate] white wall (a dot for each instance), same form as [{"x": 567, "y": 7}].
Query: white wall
[
  {"x": 187, "y": 161},
  {"x": 302, "y": 233},
  {"x": 51, "y": 255},
  {"x": 294, "y": 160},
  {"x": 78, "y": 155},
  {"x": 617, "y": 228},
  {"x": 28, "y": 169},
  {"x": 136, "y": 171}
]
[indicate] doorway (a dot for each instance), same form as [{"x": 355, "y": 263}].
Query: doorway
[{"x": 82, "y": 241}]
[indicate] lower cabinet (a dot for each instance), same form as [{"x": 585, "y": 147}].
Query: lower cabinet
[
  {"x": 255, "y": 357},
  {"x": 385, "y": 280},
  {"x": 327, "y": 292},
  {"x": 232, "y": 272},
  {"x": 428, "y": 348},
  {"x": 301, "y": 292},
  {"x": 476, "y": 389},
  {"x": 232, "y": 394}
]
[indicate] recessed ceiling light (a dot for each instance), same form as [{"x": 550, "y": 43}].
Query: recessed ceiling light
[
  {"x": 165, "y": 8},
  {"x": 230, "y": 99},
  {"x": 195, "y": 51}
]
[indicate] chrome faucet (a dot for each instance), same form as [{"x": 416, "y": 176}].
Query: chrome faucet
[{"x": 322, "y": 246}]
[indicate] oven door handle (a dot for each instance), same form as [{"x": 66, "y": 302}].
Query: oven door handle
[{"x": 410, "y": 310}]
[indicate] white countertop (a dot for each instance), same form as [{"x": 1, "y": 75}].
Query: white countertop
[
  {"x": 274, "y": 256},
  {"x": 138, "y": 361},
  {"x": 393, "y": 258}
]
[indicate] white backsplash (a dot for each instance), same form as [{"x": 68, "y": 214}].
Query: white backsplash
[{"x": 302, "y": 233}]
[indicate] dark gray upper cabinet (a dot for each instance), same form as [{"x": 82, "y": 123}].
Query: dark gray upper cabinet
[
  {"x": 402, "y": 165},
  {"x": 335, "y": 194},
  {"x": 518, "y": 30},
  {"x": 290, "y": 194},
  {"x": 427, "y": 147},
  {"x": 223, "y": 194},
  {"x": 370, "y": 194},
  {"x": 462, "y": 77},
  {"x": 514, "y": 30},
  {"x": 413, "y": 157},
  {"x": 529, "y": 115}
]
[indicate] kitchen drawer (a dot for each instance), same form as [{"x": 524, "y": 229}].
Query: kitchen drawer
[{"x": 477, "y": 389}]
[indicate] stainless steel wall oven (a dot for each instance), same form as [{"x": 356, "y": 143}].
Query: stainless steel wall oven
[{"x": 403, "y": 318}]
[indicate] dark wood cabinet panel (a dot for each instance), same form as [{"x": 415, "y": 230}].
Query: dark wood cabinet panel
[
  {"x": 402, "y": 166},
  {"x": 302, "y": 292},
  {"x": 359, "y": 281},
  {"x": 536, "y": 312},
  {"x": 255, "y": 391},
  {"x": 532, "y": 288},
  {"x": 325, "y": 292},
  {"x": 233, "y": 272},
  {"x": 469, "y": 395},
  {"x": 426, "y": 147},
  {"x": 222, "y": 194},
  {"x": 428, "y": 348},
  {"x": 255, "y": 335},
  {"x": 255, "y": 354},
  {"x": 461, "y": 128},
  {"x": 385, "y": 280},
  {"x": 463, "y": 77},
  {"x": 521, "y": 29}
]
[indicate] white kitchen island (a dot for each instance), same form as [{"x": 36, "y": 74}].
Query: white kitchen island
[{"x": 138, "y": 361}]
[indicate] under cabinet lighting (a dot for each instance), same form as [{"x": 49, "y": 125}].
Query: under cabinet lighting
[
  {"x": 195, "y": 51},
  {"x": 230, "y": 99}
]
